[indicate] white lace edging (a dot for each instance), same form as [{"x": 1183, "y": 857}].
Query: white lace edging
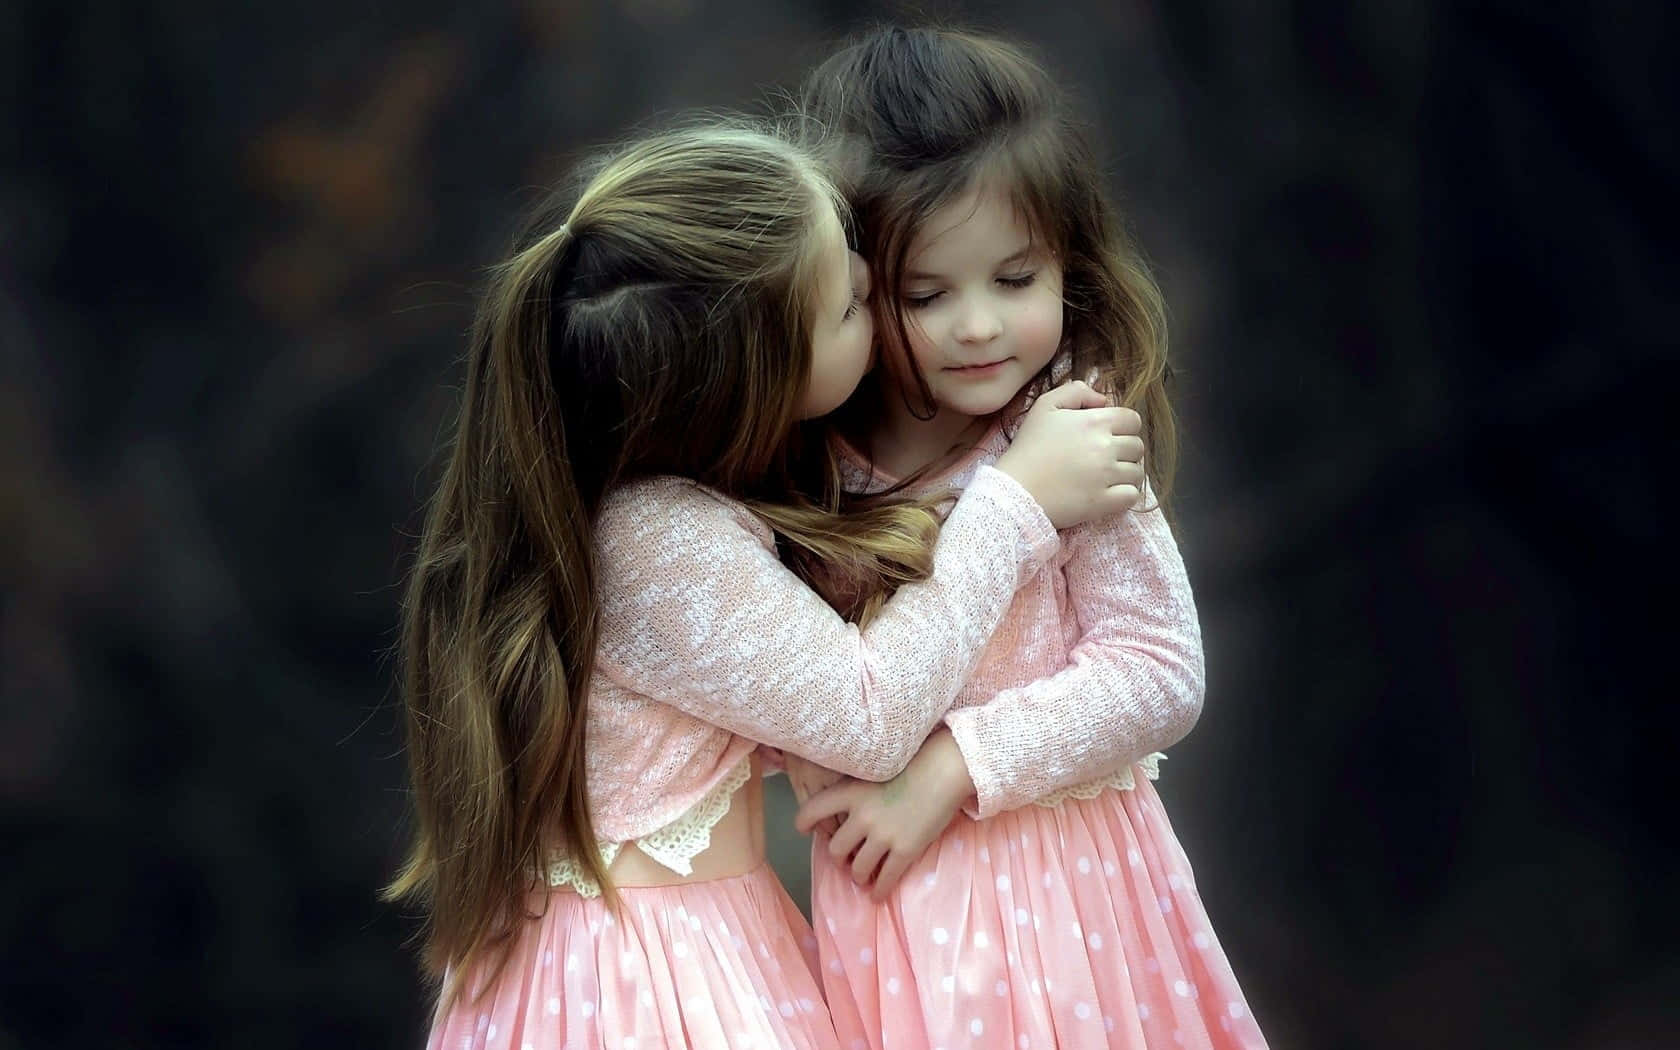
[
  {"x": 1120, "y": 780},
  {"x": 673, "y": 846}
]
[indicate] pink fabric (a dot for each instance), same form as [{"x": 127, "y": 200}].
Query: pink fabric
[
  {"x": 708, "y": 646},
  {"x": 1097, "y": 663},
  {"x": 709, "y": 643},
  {"x": 1074, "y": 926},
  {"x": 720, "y": 965}
]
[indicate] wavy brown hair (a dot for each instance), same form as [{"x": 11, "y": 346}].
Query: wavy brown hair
[
  {"x": 656, "y": 322},
  {"x": 910, "y": 119}
]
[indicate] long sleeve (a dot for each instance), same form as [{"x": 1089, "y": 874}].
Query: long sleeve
[
  {"x": 698, "y": 613},
  {"x": 1133, "y": 684}
]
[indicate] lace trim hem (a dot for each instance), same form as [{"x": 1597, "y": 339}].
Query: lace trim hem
[
  {"x": 673, "y": 846},
  {"x": 1120, "y": 780}
]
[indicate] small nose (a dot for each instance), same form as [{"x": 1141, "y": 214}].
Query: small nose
[{"x": 977, "y": 323}]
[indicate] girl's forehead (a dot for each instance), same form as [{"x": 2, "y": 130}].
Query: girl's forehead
[{"x": 974, "y": 219}]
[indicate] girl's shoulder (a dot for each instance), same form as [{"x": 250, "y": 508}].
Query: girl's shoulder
[{"x": 667, "y": 510}]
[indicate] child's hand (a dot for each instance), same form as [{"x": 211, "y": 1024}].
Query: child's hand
[
  {"x": 889, "y": 826},
  {"x": 1078, "y": 456},
  {"x": 808, "y": 779}
]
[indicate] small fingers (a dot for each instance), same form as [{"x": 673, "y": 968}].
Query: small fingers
[
  {"x": 1124, "y": 421},
  {"x": 867, "y": 860},
  {"x": 846, "y": 839}
]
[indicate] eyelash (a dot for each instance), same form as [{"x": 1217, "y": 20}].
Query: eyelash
[
  {"x": 916, "y": 302},
  {"x": 852, "y": 309}
]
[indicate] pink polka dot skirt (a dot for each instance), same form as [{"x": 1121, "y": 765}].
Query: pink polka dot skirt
[
  {"x": 722, "y": 964},
  {"x": 1077, "y": 926}
]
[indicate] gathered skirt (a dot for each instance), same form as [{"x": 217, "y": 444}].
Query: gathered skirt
[
  {"x": 1073, "y": 926},
  {"x": 724, "y": 963}
]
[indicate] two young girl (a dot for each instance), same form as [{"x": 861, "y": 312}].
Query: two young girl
[
  {"x": 603, "y": 628},
  {"x": 599, "y": 633}
]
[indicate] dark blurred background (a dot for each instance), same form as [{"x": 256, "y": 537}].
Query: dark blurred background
[{"x": 1420, "y": 261}]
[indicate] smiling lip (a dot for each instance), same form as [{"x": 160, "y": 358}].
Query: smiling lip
[{"x": 979, "y": 371}]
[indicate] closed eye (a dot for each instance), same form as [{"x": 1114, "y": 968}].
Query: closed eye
[
  {"x": 852, "y": 307},
  {"x": 1018, "y": 281},
  {"x": 918, "y": 301}
]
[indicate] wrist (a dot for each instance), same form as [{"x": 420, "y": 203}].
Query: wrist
[{"x": 947, "y": 768}]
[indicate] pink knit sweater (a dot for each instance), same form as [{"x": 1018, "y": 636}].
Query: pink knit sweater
[
  {"x": 1097, "y": 663},
  {"x": 709, "y": 646}
]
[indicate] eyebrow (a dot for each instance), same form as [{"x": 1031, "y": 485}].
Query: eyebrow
[{"x": 1019, "y": 255}]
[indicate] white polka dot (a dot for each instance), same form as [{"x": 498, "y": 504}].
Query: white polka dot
[
  {"x": 835, "y": 968},
  {"x": 867, "y": 956},
  {"x": 682, "y": 913},
  {"x": 548, "y": 958},
  {"x": 806, "y": 1006},
  {"x": 526, "y": 1046},
  {"x": 977, "y": 1026},
  {"x": 940, "y": 936},
  {"x": 1003, "y": 883},
  {"x": 1077, "y": 931},
  {"x": 1001, "y": 989},
  {"x": 1200, "y": 940},
  {"x": 1095, "y": 941},
  {"x": 629, "y": 1043},
  {"x": 1234, "y": 1009},
  {"x": 1047, "y": 987},
  {"x": 554, "y": 1004},
  {"x": 680, "y": 949},
  {"x": 1022, "y": 1041},
  {"x": 1010, "y": 956},
  {"x": 893, "y": 985},
  {"x": 1037, "y": 925},
  {"x": 981, "y": 940},
  {"x": 586, "y": 1008},
  {"x": 594, "y": 927},
  {"x": 483, "y": 1022},
  {"x": 785, "y": 1008},
  {"x": 985, "y": 855},
  {"x": 764, "y": 1003},
  {"x": 694, "y": 922},
  {"x": 1109, "y": 868},
  {"x": 1049, "y": 880},
  {"x": 1021, "y": 916},
  {"x": 571, "y": 964},
  {"x": 1134, "y": 857},
  {"x": 1084, "y": 865},
  {"x": 830, "y": 921},
  {"x": 1082, "y": 1010},
  {"x": 490, "y": 1032},
  {"x": 698, "y": 1004},
  {"x": 1183, "y": 988},
  {"x": 763, "y": 950},
  {"x": 1143, "y": 1011},
  {"x": 949, "y": 983},
  {"x": 647, "y": 999},
  {"x": 1026, "y": 840},
  {"x": 1175, "y": 882},
  {"x": 1036, "y": 990},
  {"x": 1108, "y": 1023},
  {"x": 1166, "y": 904},
  {"x": 929, "y": 879},
  {"x": 957, "y": 846}
]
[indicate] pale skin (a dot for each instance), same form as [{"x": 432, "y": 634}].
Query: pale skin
[{"x": 985, "y": 311}]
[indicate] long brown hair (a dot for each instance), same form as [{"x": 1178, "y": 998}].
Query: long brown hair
[
  {"x": 910, "y": 119},
  {"x": 657, "y": 322}
]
